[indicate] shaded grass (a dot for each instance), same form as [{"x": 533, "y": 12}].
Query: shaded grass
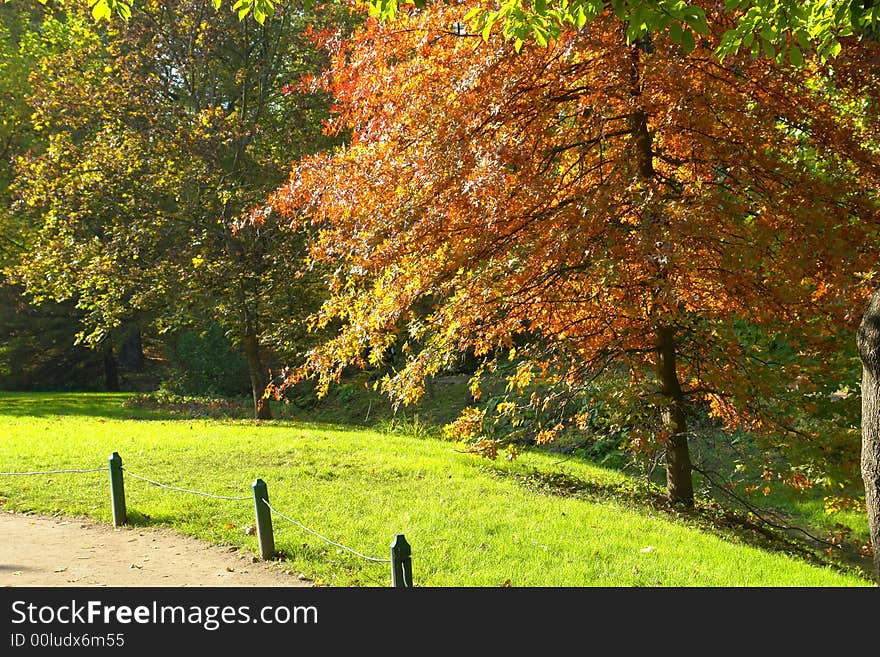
[
  {"x": 531, "y": 522},
  {"x": 730, "y": 470},
  {"x": 97, "y": 404}
]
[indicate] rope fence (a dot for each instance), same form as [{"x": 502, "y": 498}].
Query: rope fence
[
  {"x": 401, "y": 552},
  {"x": 185, "y": 490},
  {"x": 339, "y": 545}
]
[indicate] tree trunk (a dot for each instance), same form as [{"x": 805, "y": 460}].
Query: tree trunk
[
  {"x": 679, "y": 486},
  {"x": 259, "y": 376},
  {"x": 868, "y": 341},
  {"x": 111, "y": 370},
  {"x": 131, "y": 350}
]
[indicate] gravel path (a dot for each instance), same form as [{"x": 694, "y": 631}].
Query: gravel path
[{"x": 56, "y": 551}]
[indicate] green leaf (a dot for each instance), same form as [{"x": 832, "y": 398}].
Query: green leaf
[
  {"x": 487, "y": 28},
  {"x": 100, "y": 10},
  {"x": 675, "y": 31},
  {"x": 688, "y": 43},
  {"x": 696, "y": 18},
  {"x": 217, "y": 3},
  {"x": 265, "y": 7},
  {"x": 795, "y": 56},
  {"x": 834, "y": 48},
  {"x": 243, "y": 7},
  {"x": 756, "y": 49},
  {"x": 730, "y": 43},
  {"x": 540, "y": 36}
]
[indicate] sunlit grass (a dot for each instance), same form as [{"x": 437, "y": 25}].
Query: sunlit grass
[{"x": 470, "y": 522}]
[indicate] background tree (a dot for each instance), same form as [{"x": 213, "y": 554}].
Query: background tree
[
  {"x": 37, "y": 348},
  {"x": 162, "y": 133},
  {"x": 704, "y": 229}
]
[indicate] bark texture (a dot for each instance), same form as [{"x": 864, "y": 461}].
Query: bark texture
[
  {"x": 868, "y": 341},
  {"x": 258, "y": 375},
  {"x": 111, "y": 368},
  {"x": 679, "y": 485}
]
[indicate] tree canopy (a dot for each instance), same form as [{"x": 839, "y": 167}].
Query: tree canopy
[
  {"x": 159, "y": 135},
  {"x": 785, "y": 30}
]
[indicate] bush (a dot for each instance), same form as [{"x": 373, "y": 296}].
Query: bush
[{"x": 206, "y": 364}]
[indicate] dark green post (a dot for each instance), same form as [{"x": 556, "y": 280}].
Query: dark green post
[
  {"x": 117, "y": 490},
  {"x": 264, "y": 520},
  {"x": 401, "y": 563}
]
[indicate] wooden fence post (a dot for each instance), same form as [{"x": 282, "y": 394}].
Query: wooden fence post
[
  {"x": 117, "y": 490},
  {"x": 401, "y": 563},
  {"x": 264, "y": 520}
]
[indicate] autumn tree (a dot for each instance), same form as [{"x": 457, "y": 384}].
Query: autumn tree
[
  {"x": 162, "y": 133},
  {"x": 705, "y": 229}
]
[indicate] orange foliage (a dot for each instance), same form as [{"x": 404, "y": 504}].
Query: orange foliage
[{"x": 487, "y": 195}]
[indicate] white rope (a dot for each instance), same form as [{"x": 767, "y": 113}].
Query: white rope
[
  {"x": 47, "y": 472},
  {"x": 186, "y": 490},
  {"x": 298, "y": 524},
  {"x": 217, "y": 497}
]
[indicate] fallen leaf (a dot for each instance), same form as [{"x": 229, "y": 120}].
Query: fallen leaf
[{"x": 649, "y": 548}]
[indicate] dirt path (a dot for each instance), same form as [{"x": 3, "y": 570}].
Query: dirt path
[{"x": 54, "y": 551}]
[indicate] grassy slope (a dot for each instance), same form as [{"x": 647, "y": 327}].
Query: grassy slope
[{"x": 470, "y": 522}]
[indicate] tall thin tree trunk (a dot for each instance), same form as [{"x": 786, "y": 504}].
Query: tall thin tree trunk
[
  {"x": 868, "y": 341},
  {"x": 111, "y": 368},
  {"x": 679, "y": 485},
  {"x": 258, "y": 375},
  {"x": 131, "y": 350}
]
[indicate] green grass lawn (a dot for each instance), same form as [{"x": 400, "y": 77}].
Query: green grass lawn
[{"x": 537, "y": 521}]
